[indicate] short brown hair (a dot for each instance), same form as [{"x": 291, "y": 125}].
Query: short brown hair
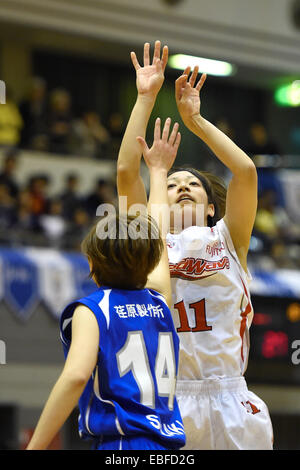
[{"x": 120, "y": 260}]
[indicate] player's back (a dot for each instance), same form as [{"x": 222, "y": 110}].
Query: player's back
[{"x": 132, "y": 389}]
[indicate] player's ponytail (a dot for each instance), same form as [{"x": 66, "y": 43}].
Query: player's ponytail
[{"x": 219, "y": 192}]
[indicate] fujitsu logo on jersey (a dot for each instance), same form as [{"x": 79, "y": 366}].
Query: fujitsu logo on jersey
[
  {"x": 196, "y": 268},
  {"x": 215, "y": 249}
]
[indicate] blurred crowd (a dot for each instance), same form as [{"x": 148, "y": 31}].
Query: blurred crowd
[
  {"x": 44, "y": 121},
  {"x": 29, "y": 216},
  {"x": 275, "y": 239}
]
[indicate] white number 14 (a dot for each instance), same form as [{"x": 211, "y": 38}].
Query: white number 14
[{"x": 133, "y": 357}]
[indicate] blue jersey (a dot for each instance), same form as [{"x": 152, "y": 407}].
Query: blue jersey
[{"x": 132, "y": 389}]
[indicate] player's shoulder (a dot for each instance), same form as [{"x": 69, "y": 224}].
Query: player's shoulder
[{"x": 157, "y": 296}]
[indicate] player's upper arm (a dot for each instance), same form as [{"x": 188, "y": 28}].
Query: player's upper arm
[
  {"x": 241, "y": 206},
  {"x": 131, "y": 186},
  {"x": 83, "y": 352}
]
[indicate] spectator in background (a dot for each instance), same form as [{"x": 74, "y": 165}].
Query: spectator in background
[
  {"x": 7, "y": 212},
  {"x": 11, "y": 123},
  {"x": 90, "y": 137},
  {"x": 70, "y": 198},
  {"x": 103, "y": 193},
  {"x": 53, "y": 223},
  {"x": 273, "y": 224},
  {"x": 34, "y": 112},
  {"x": 8, "y": 171},
  {"x": 60, "y": 121},
  {"x": 260, "y": 143},
  {"x": 39, "y": 201},
  {"x": 24, "y": 210},
  {"x": 116, "y": 128},
  {"x": 224, "y": 126},
  {"x": 77, "y": 229}
]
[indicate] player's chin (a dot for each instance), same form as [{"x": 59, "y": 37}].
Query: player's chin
[{"x": 187, "y": 214}]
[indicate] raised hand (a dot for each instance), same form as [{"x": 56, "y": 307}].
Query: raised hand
[
  {"x": 150, "y": 77},
  {"x": 162, "y": 154},
  {"x": 187, "y": 94}
]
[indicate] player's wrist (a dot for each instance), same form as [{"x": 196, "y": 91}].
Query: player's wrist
[
  {"x": 157, "y": 171},
  {"x": 147, "y": 98}
]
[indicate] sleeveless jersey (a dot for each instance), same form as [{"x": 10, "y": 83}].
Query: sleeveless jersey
[
  {"x": 132, "y": 389},
  {"x": 212, "y": 307}
]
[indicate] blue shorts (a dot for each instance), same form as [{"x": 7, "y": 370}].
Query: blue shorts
[{"x": 128, "y": 443}]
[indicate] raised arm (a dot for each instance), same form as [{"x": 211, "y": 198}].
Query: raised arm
[
  {"x": 241, "y": 201},
  {"x": 159, "y": 159},
  {"x": 149, "y": 79}
]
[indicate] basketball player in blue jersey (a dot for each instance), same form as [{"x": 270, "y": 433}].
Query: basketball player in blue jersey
[{"x": 120, "y": 344}]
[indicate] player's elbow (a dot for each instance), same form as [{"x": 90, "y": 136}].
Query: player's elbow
[
  {"x": 127, "y": 173},
  {"x": 248, "y": 171},
  {"x": 124, "y": 170},
  {"x": 250, "y": 167},
  {"x": 76, "y": 378}
]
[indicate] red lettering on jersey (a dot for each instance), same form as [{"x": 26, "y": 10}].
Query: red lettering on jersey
[
  {"x": 244, "y": 314},
  {"x": 200, "y": 317},
  {"x": 250, "y": 407},
  {"x": 191, "y": 268},
  {"x": 215, "y": 248}
]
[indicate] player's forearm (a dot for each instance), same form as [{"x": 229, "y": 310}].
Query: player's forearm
[
  {"x": 130, "y": 151},
  {"x": 158, "y": 204},
  {"x": 61, "y": 402},
  {"x": 158, "y": 208},
  {"x": 235, "y": 159}
]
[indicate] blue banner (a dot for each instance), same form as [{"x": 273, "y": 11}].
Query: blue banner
[
  {"x": 19, "y": 283},
  {"x": 30, "y": 276},
  {"x": 83, "y": 284}
]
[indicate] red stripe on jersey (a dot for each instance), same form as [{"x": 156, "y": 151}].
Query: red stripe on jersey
[{"x": 244, "y": 314}]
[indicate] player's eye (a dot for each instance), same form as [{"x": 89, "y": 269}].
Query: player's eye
[{"x": 171, "y": 185}]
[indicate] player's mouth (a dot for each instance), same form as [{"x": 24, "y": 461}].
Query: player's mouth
[{"x": 185, "y": 197}]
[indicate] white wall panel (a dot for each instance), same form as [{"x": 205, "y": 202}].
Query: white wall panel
[{"x": 255, "y": 33}]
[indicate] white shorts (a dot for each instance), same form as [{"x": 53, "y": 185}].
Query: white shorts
[{"x": 222, "y": 414}]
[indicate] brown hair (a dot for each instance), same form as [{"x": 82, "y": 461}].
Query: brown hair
[
  {"x": 215, "y": 189},
  {"x": 123, "y": 250}
]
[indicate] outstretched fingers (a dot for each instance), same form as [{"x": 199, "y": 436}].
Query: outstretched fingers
[
  {"x": 134, "y": 60},
  {"x": 160, "y": 60},
  {"x": 173, "y": 138},
  {"x": 201, "y": 82},
  {"x": 193, "y": 77},
  {"x": 157, "y": 129},
  {"x": 164, "y": 57},
  {"x": 156, "y": 53},
  {"x": 143, "y": 144},
  {"x": 177, "y": 141},
  {"x": 146, "y": 54},
  {"x": 174, "y": 134},
  {"x": 166, "y": 130},
  {"x": 180, "y": 84}
]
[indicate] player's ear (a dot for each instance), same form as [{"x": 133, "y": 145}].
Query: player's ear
[{"x": 211, "y": 210}]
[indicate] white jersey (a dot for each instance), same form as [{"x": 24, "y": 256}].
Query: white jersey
[{"x": 212, "y": 308}]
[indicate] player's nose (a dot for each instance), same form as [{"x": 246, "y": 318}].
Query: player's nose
[{"x": 183, "y": 187}]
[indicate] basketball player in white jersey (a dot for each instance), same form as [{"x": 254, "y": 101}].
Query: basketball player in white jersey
[{"x": 208, "y": 260}]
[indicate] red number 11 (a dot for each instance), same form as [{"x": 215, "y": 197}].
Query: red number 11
[{"x": 200, "y": 317}]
